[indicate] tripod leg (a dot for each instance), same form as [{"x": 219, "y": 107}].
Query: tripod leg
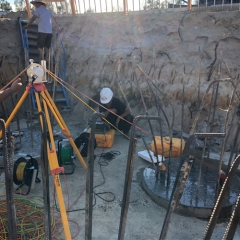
[
  {"x": 62, "y": 125},
  {"x": 39, "y": 108},
  {"x": 55, "y": 169},
  {"x": 21, "y": 100}
]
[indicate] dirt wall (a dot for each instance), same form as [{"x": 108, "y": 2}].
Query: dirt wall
[{"x": 120, "y": 51}]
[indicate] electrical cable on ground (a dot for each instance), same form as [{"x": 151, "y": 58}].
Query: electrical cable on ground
[
  {"x": 104, "y": 160},
  {"x": 29, "y": 219}
]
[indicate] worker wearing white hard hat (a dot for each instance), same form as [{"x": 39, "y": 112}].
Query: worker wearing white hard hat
[{"x": 115, "y": 105}]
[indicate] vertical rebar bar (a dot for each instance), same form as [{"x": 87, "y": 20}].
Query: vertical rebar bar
[
  {"x": 178, "y": 186},
  {"x": 199, "y": 80},
  {"x": 149, "y": 122},
  {"x": 212, "y": 105},
  {"x": 8, "y": 168},
  {"x": 224, "y": 140},
  {"x": 127, "y": 187},
  {"x": 233, "y": 222},
  {"x": 236, "y": 137},
  {"x": 221, "y": 199},
  {"x": 45, "y": 179},
  {"x": 128, "y": 175},
  {"x": 213, "y": 116},
  {"x": 89, "y": 180},
  {"x": 159, "y": 107},
  {"x": 182, "y": 119}
]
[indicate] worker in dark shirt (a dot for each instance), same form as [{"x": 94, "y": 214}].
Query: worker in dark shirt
[{"x": 115, "y": 105}]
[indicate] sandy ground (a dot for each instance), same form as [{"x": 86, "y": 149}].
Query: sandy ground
[{"x": 145, "y": 218}]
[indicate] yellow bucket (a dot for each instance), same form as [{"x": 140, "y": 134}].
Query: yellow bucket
[{"x": 176, "y": 146}]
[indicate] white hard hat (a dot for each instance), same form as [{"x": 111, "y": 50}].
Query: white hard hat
[
  {"x": 106, "y": 95},
  {"x": 38, "y": 1}
]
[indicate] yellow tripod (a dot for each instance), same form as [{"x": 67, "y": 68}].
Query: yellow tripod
[{"x": 52, "y": 156}]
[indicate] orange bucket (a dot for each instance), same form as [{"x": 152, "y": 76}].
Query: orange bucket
[{"x": 176, "y": 146}]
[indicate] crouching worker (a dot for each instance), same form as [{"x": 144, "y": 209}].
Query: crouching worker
[{"x": 115, "y": 105}]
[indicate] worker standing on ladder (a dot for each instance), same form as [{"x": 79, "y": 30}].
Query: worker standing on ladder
[{"x": 44, "y": 17}]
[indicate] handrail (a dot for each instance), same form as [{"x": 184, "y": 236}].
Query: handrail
[
  {"x": 136, "y": 6},
  {"x": 62, "y": 66},
  {"x": 129, "y": 6},
  {"x": 23, "y": 34}
]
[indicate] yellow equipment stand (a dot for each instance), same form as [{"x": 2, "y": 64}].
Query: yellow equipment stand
[{"x": 52, "y": 155}]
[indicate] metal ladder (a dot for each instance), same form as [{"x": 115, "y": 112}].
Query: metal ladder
[{"x": 29, "y": 44}]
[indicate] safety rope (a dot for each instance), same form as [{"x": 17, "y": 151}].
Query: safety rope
[{"x": 63, "y": 83}]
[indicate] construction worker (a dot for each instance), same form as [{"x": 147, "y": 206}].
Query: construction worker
[
  {"x": 44, "y": 17},
  {"x": 115, "y": 105},
  {"x": 14, "y": 87}
]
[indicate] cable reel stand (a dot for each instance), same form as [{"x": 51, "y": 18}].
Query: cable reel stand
[
  {"x": 25, "y": 172},
  {"x": 65, "y": 156}
]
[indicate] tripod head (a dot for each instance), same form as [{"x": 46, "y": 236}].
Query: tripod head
[{"x": 37, "y": 72}]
